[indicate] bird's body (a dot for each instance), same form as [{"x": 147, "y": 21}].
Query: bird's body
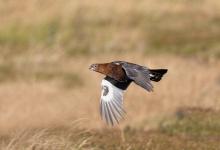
[{"x": 119, "y": 75}]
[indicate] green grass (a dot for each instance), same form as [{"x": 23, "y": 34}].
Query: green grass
[{"x": 193, "y": 122}]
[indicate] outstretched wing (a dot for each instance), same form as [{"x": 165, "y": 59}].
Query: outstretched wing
[
  {"x": 111, "y": 103},
  {"x": 139, "y": 74}
]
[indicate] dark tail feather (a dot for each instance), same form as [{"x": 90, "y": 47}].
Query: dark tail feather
[{"x": 157, "y": 74}]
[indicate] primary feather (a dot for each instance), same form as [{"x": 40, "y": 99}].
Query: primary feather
[{"x": 111, "y": 103}]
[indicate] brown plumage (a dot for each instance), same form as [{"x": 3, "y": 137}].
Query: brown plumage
[
  {"x": 110, "y": 69},
  {"x": 119, "y": 75}
]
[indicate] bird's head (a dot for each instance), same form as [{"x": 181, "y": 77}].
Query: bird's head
[
  {"x": 105, "y": 68},
  {"x": 101, "y": 68},
  {"x": 94, "y": 67}
]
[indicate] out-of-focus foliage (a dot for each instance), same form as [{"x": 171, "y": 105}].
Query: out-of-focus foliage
[{"x": 82, "y": 28}]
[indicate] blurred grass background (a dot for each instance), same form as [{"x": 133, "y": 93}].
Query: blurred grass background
[
  {"x": 47, "y": 45},
  {"x": 68, "y": 29},
  {"x": 91, "y": 27}
]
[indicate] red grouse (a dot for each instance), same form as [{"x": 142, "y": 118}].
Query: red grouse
[{"x": 119, "y": 75}]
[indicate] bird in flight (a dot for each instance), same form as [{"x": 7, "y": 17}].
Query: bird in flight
[{"x": 119, "y": 75}]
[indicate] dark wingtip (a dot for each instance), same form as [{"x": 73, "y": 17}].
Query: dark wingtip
[
  {"x": 157, "y": 74},
  {"x": 162, "y": 71}
]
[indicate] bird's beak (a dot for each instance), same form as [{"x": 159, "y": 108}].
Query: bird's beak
[{"x": 90, "y": 67}]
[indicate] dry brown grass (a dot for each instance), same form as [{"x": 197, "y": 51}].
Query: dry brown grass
[
  {"x": 56, "y": 138},
  {"x": 46, "y": 47},
  {"x": 190, "y": 128},
  {"x": 189, "y": 82}
]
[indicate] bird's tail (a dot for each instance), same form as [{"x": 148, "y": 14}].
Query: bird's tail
[{"x": 157, "y": 74}]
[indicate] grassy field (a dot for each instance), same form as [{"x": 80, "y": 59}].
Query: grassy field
[
  {"x": 50, "y": 100},
  {"x": 189, "y": 128}
]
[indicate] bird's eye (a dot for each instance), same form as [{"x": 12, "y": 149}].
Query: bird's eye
[{"x": 93, "y": 67}]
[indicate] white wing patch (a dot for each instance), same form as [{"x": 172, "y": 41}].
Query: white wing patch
[{"x": 111, "y": 103}]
